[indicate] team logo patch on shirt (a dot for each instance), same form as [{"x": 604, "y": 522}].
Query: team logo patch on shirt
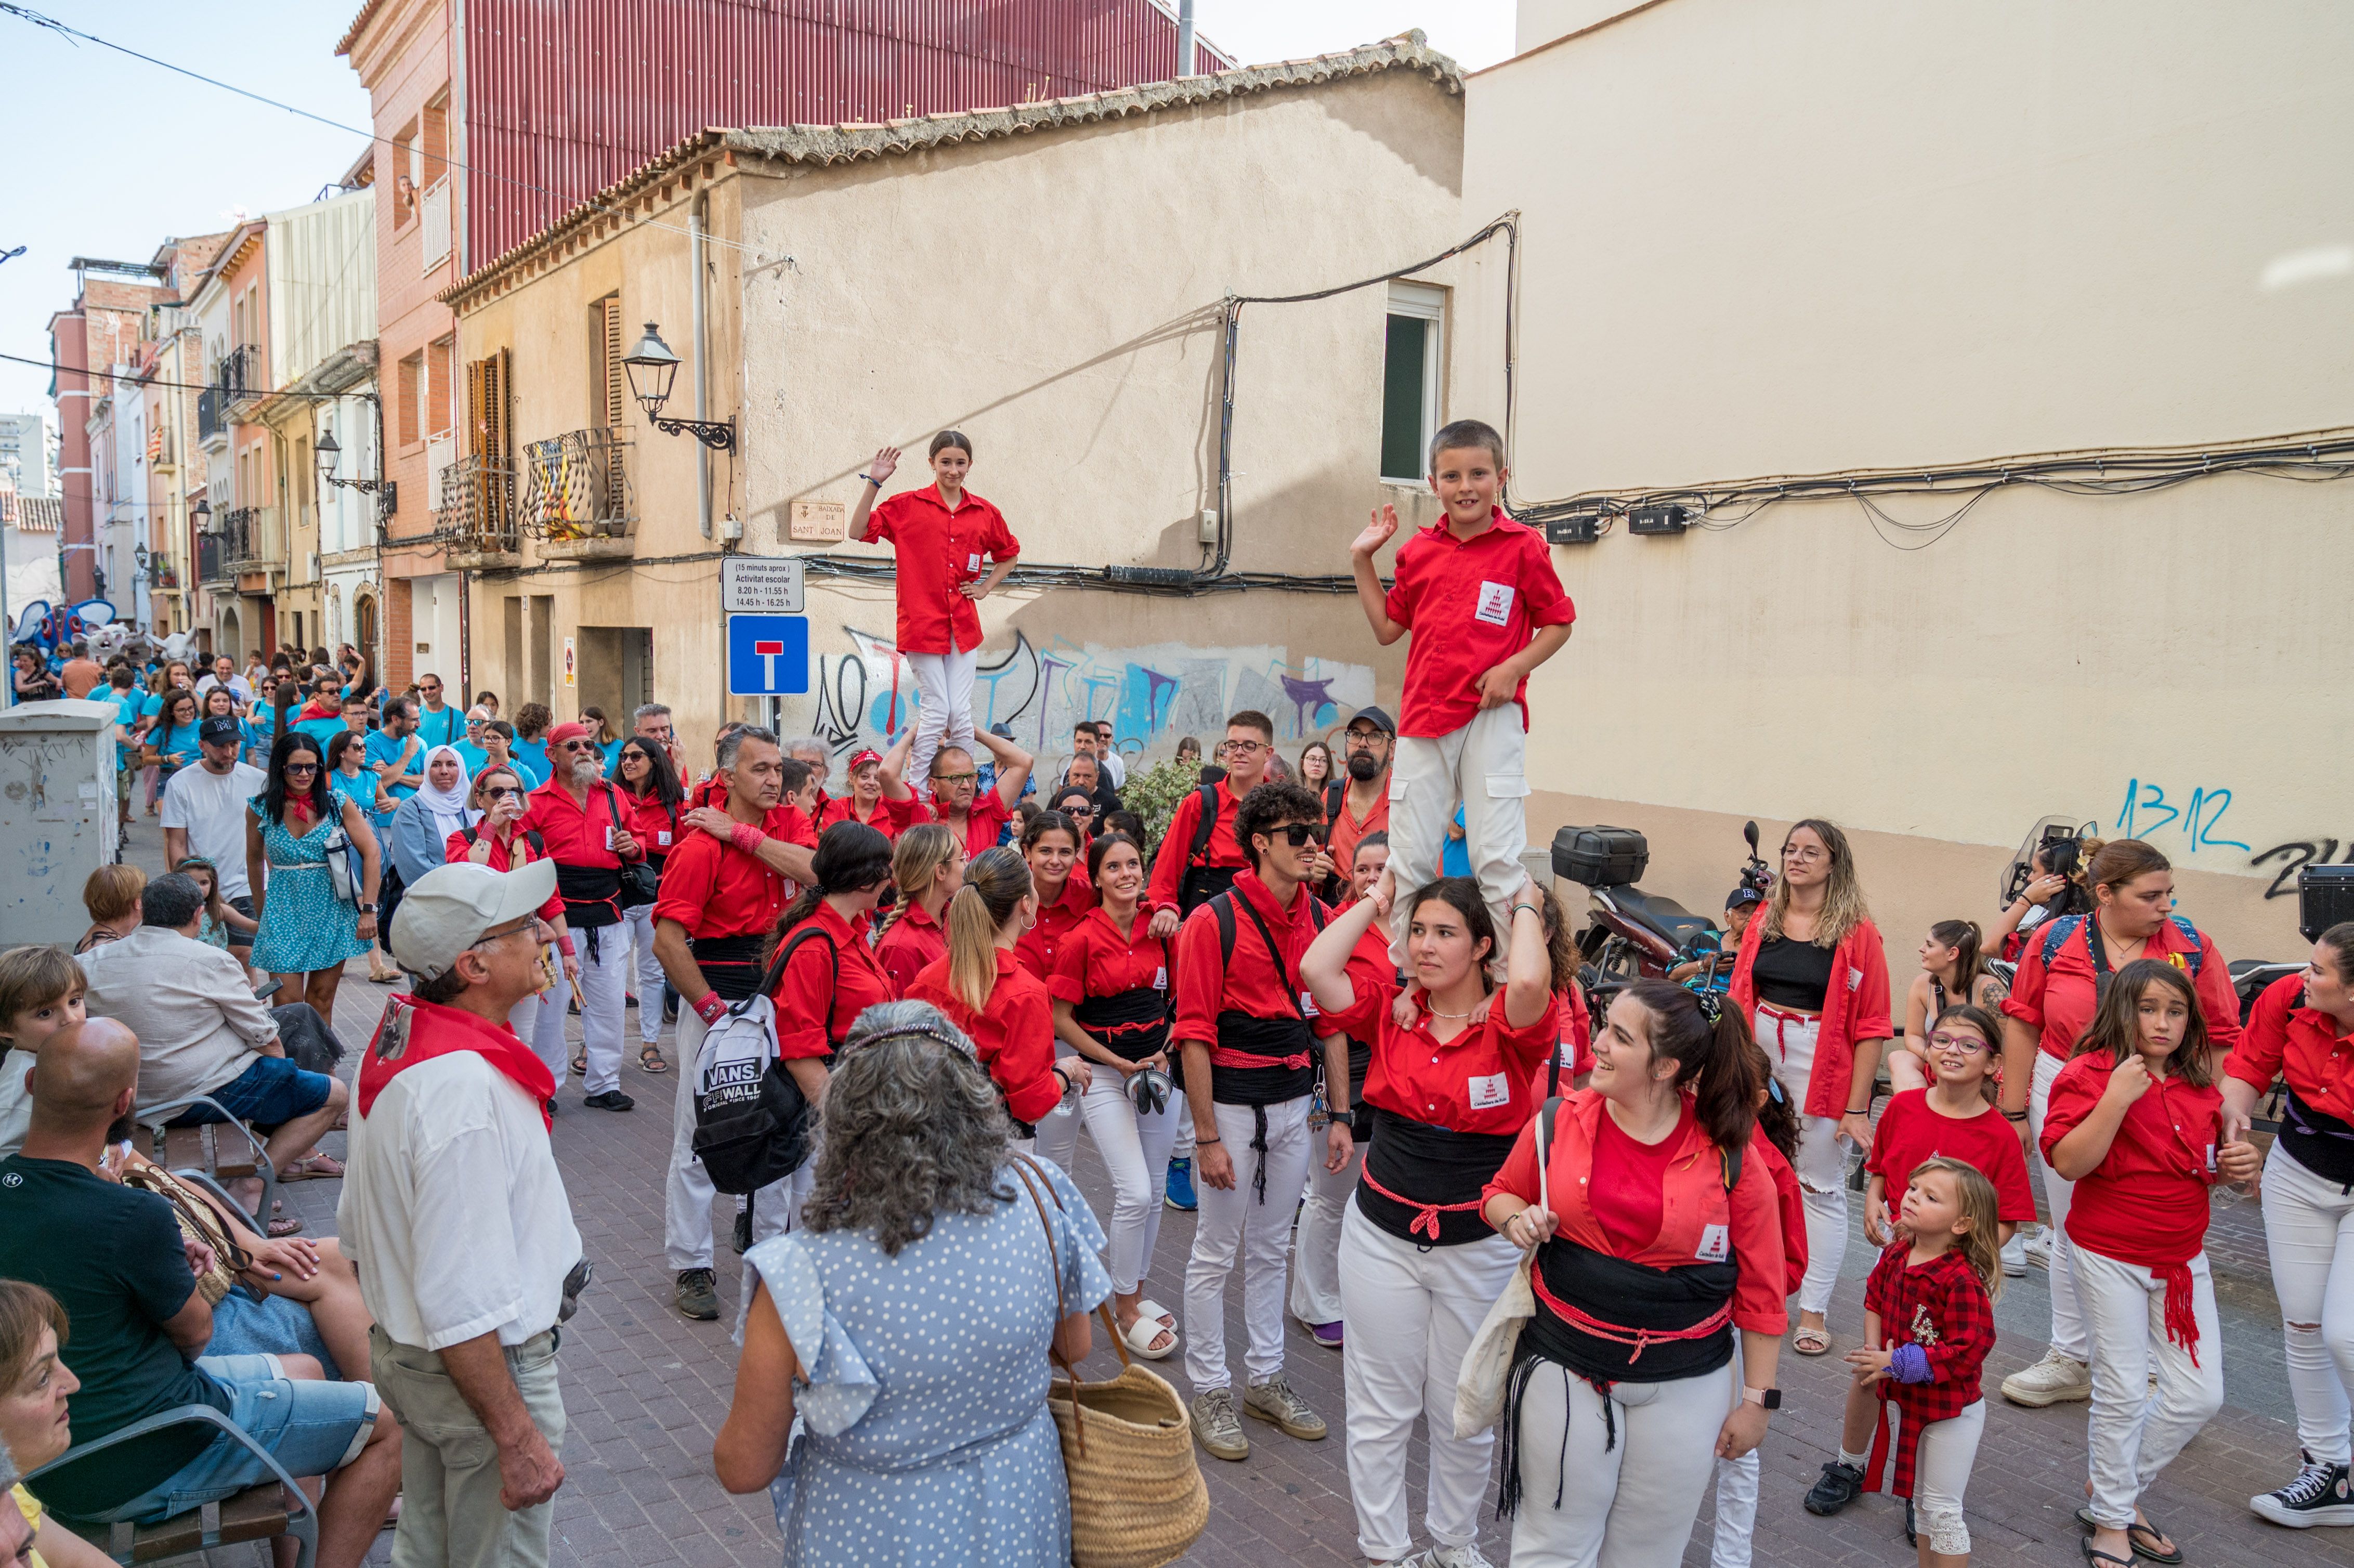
[
  {"x": 1308, "y": 1005},
  {"x": 1161, "y": 977},
  {"x": 1715, "y": 1243},
  {"x": 1488, "y": 1093},
  {"x": 1854, "y": 978},
  {"x": 1495, "y": 603},
  {"x": 973, "y": 562},
  {"x": 1924, "y": 1327}
]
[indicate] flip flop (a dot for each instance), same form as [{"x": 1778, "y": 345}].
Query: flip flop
[
  {"x": 384, "y": 979},
  {"x": 1820, "y": 1338},
  {"x": 311, "y": 1168},
  {"x": 285, "y": 1225},
  {"x": 1140, "y": 1334},
  {"x": 580, "y": 1065},
  {"x": 2096, "y": 1557},
  {"x": 1149, "y": 1307},
  {"x": 2154, "y": 1529}
]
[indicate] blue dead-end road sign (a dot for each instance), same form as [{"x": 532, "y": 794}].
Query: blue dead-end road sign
[{"x": 767, "y": 655}]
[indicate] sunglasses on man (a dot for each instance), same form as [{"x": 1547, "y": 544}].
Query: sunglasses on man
[{"x": 1297, "y": 833}]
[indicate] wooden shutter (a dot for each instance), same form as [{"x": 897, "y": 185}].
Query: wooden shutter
[
  {"x": 439, "y": 373},
  {"x": 434, "y": 137},
  {"x": 607, "y": 385},
  {"x": 412, "y": 371}
]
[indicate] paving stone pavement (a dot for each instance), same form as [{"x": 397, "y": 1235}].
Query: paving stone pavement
[{"x": 646, "y": 1390}]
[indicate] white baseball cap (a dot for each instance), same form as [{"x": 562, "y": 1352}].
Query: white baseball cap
[{"x": 447, "y": 910}]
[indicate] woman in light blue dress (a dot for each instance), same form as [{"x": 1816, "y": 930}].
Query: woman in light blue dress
[
  {"x": 908, "y": 1322},
  {"x": 290, "y": 829}
]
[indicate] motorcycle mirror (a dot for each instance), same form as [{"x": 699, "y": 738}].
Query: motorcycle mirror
[{"x": 1750, "y": 832}]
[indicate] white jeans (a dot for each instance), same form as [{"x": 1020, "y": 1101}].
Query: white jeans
[
  {"x": 1135, "y": 1149},
  {"x": 1822, "y": 1165},
  {"x": 2068, "y": 1335},
  {"x": 640, "y": 924},
  {"x": 1316, "y": 1250},
  {"x": 2309, "y": 1233},
  {"x": 1412, "y": 1312},
  {"x": 946, "y": 716},
  {"x": 1232, "y": 1220},
  {"x": 603, "y": 984},
  {"x": 1736, "y": 1498},
  {"x": 1058, "y": 1134},
  {"x": 2135, "y": 1436},
  {"x": 1484, "y": 766},
  {"x": 1941, "y": 1474},
  {"x": 687, "y": 1190},
  {"x": 1631, "y": 1507}
]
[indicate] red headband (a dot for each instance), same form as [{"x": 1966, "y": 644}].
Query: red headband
[{"x": 570, "y": 729}]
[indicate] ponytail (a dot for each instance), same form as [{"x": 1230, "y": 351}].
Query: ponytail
[
  {"x": 1711, "y": 1043},
  {"x": 996, "y": 880},
  {"x": 1970, "y": 964},
  {"x": 850, "y": 857}
]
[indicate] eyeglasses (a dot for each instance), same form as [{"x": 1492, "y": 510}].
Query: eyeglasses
[
  {"x": 1297, "y": 833},
  {"x": 1244, "y": 748},
  {"x": 502, "y": 791},
  {"x": 434, "y": 687},
  {"x": 939, "y": 779},
  {"x": 1967, "y": 1044},
  {"x": 1363, "y": 740}
]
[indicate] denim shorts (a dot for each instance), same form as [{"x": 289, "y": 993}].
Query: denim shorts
[
  {"x": 311, "y": 1427},
  {"x": 269, "y": 1093}
]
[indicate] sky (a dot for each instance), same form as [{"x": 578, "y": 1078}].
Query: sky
[{"x": 108, "y": 156}]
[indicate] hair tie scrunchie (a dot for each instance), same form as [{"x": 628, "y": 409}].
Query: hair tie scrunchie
[{"x": 1711, "y": 1010}]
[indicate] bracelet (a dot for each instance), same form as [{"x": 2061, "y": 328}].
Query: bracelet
[
  {"x": 1199, "y": 1142},
  {"x": 711, "y": 1007},
  {"x": 2014, "y": 1116},
  {"x": 564, "y": 944},
  {"x": 747, "y": 838},
  {"x": 1859, "y": 1110},
  {"x": 1531, "y": 908},
  {"x": 872, "y": 479}
]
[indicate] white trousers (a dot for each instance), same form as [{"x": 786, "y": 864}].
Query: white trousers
[
  {"x": 1941, "y": 1474},
  {"x": 1234, "y": 1221},
  {"x": 1822, "y": 1165},
  {"x": 687, "y": 1190},
  {"x": 1135, "y": 1149},
  {"x": 944, "y": 681},
  {"x": 604, "y": 980},
  {"x": 1183, "y": 1147},
  {"x": 2309, "y": 1233},
  {"x": 2067, "y": 1312},
  {"x": 1484, "y": 766},
  {"x": 1631, "y": 1506},
  {"x": 1058, "y": 1134},
  {"x": 1412, "y": 1312},
  {"x": 2135, "y": 1436},
  {"x": 648, "y": 971},
  {"x": 1736, "y": 1498},
  {"x": 1316, "y": 1251}
]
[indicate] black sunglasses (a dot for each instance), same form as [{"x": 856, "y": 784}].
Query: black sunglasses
[{"x": 1297, "y": 833}]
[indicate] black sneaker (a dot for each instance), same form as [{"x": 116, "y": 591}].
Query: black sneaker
[
  {"x": 1839, "y": 1486},
  {"x": 697, "y": 1294},
  {"x": 670, "y": 1007},
  {"x": 1912, "y": 1535},
  {"x": 2321, "y": 1494},
  {"x": 548, "y": 1106},
  {"x": 611, "y": 1100}
]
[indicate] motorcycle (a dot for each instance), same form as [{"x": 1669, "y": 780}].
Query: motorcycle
[{"x": 1632, "y": 934}]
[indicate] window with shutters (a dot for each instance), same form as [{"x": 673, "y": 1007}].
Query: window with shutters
[
  {"x": 403, "y": 174},
  {"x": 408, "y": 427},
  {"x": 487, "y": 475},
  {"x": 433, "y": 142},
  {"x": 1411, "y": 364},
  {"x": 441, "y": 366},
  {"x": 608, "y": 384}
]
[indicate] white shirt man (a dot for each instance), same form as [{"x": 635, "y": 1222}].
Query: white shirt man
[
  {"x": 224, "y": 674},
  {"x": 455, "y": 1215},
  {"x": 205, "y": 809}
]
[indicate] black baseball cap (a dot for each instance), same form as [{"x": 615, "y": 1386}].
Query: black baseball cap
[
  {"x": 1743, "y": 896},
  {"x": 1382, "y": 721},
  {"x": 220, "y": 726}
]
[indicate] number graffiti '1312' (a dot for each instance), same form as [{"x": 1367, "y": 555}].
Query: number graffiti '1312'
[{"x": 2146, "y": 812}]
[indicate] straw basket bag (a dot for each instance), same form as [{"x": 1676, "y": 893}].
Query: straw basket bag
[{"x": 1137, "y": 1495}]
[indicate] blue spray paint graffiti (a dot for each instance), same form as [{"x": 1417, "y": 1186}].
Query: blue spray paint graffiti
[{"x": 2146, "y": 812}]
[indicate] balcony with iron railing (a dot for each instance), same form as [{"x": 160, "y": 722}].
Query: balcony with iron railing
[
  {"x": 251, "y": 540},
  {"x": 212, "y": 417},
  {"x": 209, "y": 568},
  {"x": 474, "y": 515},
  {"x": 577, "y": 500},
  {"x": 241, "y": 378},
  {"x": 163, "y": 572}
]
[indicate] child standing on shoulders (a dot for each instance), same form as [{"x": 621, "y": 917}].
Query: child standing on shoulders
[
  {"x": 1928, "y": 1323},
  {"x": 1480, "y": 595},
  {"x": 40, "y": 994},
  {"x": 2135, "y": 1121},
  {"x": 1954, "y": 1117}
]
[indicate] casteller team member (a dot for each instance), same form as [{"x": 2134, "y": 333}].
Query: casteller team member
[
  {"x": 1052, "y": 846},
  {"x": 953, "y": 549},
  {"x": 1663, "y": 1242},
  {"x": 720, "y": 899},
  {"x": 877, "y": 797},
  {"x": 1183, "y": 879},
  {"x": 1368, "y": 743},
  {"x": 1480, "y": 595},
  {"x": 1249, "y": 1032},
  {"x": 1419, "y": 1265},
  {"x": 928, "y": 867},
  {"x": 979, "y": 815},
  {"x": 497, "y": 841},
  {"x": 584, "y": 823}
]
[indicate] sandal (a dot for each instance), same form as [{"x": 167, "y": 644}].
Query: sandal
[
  {"x": 1149, "y": 1307},
  {"x": 384, "y": 979},
  {"x": 1811, "y": 1341},
  {"x": 2096, "y": 1557},
  {"x": 580, "y": 1063},
  {"x": 1140, "y": 1334},
  {"x": 311, "y": 1168},
  {"x": 650, "y": 1059},
  {"x": 2135, "y": 1532},
  {"x": 285, "y": 1225}
]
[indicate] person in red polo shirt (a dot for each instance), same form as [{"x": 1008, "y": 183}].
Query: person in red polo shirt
[
  {"x": 2302, "y": 1031},
  {"x": 719, "y": 901},
  {"x": 1191, "y": 869},
  {"x": 958, "y": 799},
  {"x": 1480, "y": 595},
  {"x": 1370, "y": 738},
  {"x": 953, "y": 550},
  {"x": 928, "y": 867},
  {"x": 1251, "y": 1034},
  {"x": 876, "y": 796}
]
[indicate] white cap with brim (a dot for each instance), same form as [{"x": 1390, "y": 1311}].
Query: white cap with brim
[{"x": 447, "y": 910}]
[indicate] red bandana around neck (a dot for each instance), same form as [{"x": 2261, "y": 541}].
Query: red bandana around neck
[{"x": 411, "y": 1031}]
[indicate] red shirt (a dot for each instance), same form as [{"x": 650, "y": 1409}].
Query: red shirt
[
  {"x": 1014, "y": 1035},
  {"x": 1699, "y": 1221},
  {"x": 1576, "y": 1032},
  {"x": 983, "y": 825},
  {"x": 2287, "y": 1039},
  {"x": 1169, "y": 867},
  {"x": 506, "y": 854},
  {"x": 1910, "y": 1131},
  {"x": 1792, "y": 1205},
  {"x": 1628, "y": 1187},
  {"x": 716, "y": 890},
  {"x": 1472, "y": 604},
  {"x": 891, "y": 817},
  {"x": 1207, "y": 985},
  {"x": 1483, "y": 1081},
  {"x": 912, "y": 941},
  {"x": 821, "y": 993},
  {"x": 1056, "y": 922},
  {"x": 2147, "y": 1202},
  {"x": 1094, "y": 959},
  {"x": 939, "y": 551},
  {"x": 1347, "y": 827},
  {"x": 574, "y": 831},
  {"x": 2058, "y": 999},
  {"x": 652, "y": 823},
  {"x": 1855, "y": 1009}
]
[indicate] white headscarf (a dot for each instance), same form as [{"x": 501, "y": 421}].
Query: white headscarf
[{"x": 448, "y": 808}]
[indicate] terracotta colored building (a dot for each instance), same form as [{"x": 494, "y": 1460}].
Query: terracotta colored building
[{"x": 103, "y": 328}]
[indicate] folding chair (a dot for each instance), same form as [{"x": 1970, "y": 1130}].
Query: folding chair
[
  {"x": 258, "y": 1513},
  {"x": 203, "y": 1150}
]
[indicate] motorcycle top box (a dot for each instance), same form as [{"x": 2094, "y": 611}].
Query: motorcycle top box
[{"x": 1600, "y": 856}]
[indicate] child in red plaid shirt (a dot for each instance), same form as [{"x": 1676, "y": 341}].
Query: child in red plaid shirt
[{"x": 1928, "y": 1316}]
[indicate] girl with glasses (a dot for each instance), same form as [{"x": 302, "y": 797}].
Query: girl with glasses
[{"x": 295, "y": 824}]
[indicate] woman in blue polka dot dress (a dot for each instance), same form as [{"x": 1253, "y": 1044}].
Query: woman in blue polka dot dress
[{"x": 907, "y": 1324}]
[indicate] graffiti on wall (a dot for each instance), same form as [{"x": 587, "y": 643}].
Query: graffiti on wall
[
  {"x": 2193, "y": 823},
  {"x": 1150, "y": 696}
]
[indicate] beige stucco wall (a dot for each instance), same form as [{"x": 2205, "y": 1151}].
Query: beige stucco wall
[{"x": 1833, "y": 234}]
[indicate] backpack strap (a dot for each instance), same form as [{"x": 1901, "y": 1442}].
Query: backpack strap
[
  {"x": 2198, "y": 954},
  {"x": 784, "y": 955},
  {"x": 1225, "y": 904},
  {"x": 1730, "y": 1162},
  {"x": 2056, "y": 934},
  {"x": 1205, "y": 822}
]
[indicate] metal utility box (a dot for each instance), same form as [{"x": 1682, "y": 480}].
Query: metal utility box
[{"x": 57, "y": 815}]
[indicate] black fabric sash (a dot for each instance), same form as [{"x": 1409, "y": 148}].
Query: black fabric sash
[
  {"x": 1431, "y": 1165},
  {"x": 590, "y": 893},
  {"x": 2316, "y": 1140},
  {"x": 1631, "y": 1296},
  {"x": 730, "y": 964},
  {"x": 1274, "y": 1038},
  {"x": 1131, "y": 1024}
]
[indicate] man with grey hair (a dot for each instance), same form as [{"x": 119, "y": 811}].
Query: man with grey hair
[
  {"x": 809, "y": 748},
  {"x": 652, "y": 721},
  {"x": 723, "y": 889}
]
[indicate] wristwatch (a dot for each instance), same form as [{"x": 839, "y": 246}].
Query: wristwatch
[
  {"x": 1764, "y": 1398},
  {"x": 367, "y": 909}
]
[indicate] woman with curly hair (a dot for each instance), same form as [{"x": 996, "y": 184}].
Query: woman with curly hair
[{"x": 909, "y": 1320}]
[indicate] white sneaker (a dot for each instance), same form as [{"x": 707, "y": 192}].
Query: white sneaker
[
  {"x": 2057, "y": 1378},
  {"x": 2038, "y": 1249},
  {"x": 1465, "y": 1556},
  {"x": 2014, "y": 1257}
]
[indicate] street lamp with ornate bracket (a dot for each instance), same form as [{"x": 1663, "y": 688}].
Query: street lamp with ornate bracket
[
  {"x": 652, "y": 366},
  {"x": 330, "y": 453}
]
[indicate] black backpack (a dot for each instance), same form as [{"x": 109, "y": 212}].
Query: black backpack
[{"x": 751, "y": 1119}]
